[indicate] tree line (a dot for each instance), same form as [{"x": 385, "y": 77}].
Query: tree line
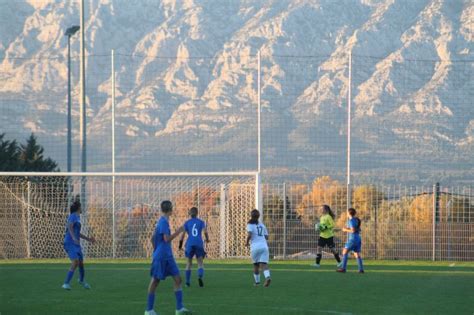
[{"x": 24, "y": 157}]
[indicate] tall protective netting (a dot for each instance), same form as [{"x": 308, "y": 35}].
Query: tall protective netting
[{"x": 121, "y": 213}]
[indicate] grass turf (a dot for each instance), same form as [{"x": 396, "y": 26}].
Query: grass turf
[{"x": 119, "y": 287}]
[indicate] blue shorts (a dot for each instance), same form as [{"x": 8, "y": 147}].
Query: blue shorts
[
  {"x": 163, "y": 267},
  {"x": 353, "y": 245},
  {"x": 192, "y": 251},
  {"x": 74, "y": 251}
]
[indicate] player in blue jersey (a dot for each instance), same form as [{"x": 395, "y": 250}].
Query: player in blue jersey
[
  {"x": 72, "y": 245},
  {"x": 194, "y": 228},
  {"x": 163, "y": 264},
  {"x": 354, "y": 242}
]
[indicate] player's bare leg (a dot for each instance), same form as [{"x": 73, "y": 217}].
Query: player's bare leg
[
  {"x": 200, "y": 262},
  {"x": 266, "y": 273}
]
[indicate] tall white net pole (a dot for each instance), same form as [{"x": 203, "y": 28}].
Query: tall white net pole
[
  {"x": 113, "y": 154},
  {"x": 349, "y": 105},
  {"x": 258, "y": 181},
  {"x": 83, "y": 111}
]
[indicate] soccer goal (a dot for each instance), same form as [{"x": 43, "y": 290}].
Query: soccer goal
[{"x": 120, "y": 210}]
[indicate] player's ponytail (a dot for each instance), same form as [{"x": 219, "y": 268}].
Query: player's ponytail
[{"x": 254, "y": 216}]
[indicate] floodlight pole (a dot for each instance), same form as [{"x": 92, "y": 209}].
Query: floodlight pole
[
  {"x": 113, "y": 152},
  {"x": 349, "y": 120},
  {"x": 83, "y": 112},
  {"x": 69, "y": 111},
  {"x": 258, "y": 179},
  {"x": 69, "y": 33}
]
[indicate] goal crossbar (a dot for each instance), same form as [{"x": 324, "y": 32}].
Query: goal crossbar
[{"x": 131, "y": 174}]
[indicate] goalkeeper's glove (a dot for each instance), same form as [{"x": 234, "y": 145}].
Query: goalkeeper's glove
[{"x": 322, "y": 227}]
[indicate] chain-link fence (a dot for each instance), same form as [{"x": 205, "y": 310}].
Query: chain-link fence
[{"x": 398, "y": 222}]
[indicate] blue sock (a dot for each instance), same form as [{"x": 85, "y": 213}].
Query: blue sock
[
  {"x": 150, "y": 301},
  {"x": 81, "y": 273},
  {"x": 200, "y": 272},
  {"x": 179, "y": 299},
  {"x": 69, "y": 276},
  {"x": 344, "y": 261},
  {"x": 359, "y": 262},
  {"x": 188, "y": 276}
]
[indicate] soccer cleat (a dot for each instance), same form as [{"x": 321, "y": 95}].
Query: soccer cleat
[
  {"x": 256, "y": 284},
  {"x": 183, "y": 311},
  {"x": 341, "y": 270},
  {"x": 361, "y": 271},
  {"x": 66, "y": 286},
  {"x": 267, "y": 282},
  {"x": 84, "y": 284},
  {"x": 316, "y": 265},
  {"x": 188, "y": 284},
  {"x": 201, "y": 283},
  {"x": 151, "y": 312}
]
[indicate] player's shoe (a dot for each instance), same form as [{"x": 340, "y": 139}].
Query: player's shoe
[
  {"x": 256, "y": 284},
  {"x": 267, "y": 282},
  {"x": 361, "y": 271},
  {"x": 316, "y": 265},
  {"x": 84, "y": 284},
  {"x": 188, "y": 284},
  {"x": 66, "y": 286},
  {"x": 201, "y": 283},
  {"x": 183, "y": 311},
  {"x": 341, "y": 270},
  {"x": 152, "y": 312}
]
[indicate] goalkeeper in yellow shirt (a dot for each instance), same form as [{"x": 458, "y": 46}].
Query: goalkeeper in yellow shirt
[{"x": 326, "y": 235}]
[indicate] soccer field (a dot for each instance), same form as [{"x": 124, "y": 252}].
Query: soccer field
[{"x": 119, "y": 287}]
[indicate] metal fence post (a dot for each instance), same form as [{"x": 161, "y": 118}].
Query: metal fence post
[
  {"x": 284, "y": 220},
  {"x": 435, "y": 214},
  {"x": 375, "y": 234}
]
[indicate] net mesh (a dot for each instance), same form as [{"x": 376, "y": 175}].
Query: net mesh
[{"x": 34, "y": 213}]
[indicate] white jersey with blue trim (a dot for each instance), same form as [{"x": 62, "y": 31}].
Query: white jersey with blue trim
[{"x": 258, "y": 234}]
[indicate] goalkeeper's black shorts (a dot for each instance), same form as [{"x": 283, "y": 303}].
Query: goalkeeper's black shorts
[{"x": 329, "y": 242}]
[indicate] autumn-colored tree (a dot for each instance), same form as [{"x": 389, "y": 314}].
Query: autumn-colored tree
[{"x": 324, "y": 190}]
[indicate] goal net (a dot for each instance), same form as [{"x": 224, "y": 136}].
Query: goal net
[{"x": 121, "y": 212}]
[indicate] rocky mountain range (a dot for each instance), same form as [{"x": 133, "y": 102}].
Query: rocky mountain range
[{"x": 187, "y": 75}]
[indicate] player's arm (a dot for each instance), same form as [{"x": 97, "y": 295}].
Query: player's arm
[
  {"x": 249, "y": 236},
  {"x": 89, "y": 239},
  {"x": 153, "y": 238},
  {"x": 168, "y": 238},
  {"x": 206, "y": 235},
  {"x": 181, "y": 241},
  {"x": 71, "y": 232},
  {"x": 265, "y": 233}
]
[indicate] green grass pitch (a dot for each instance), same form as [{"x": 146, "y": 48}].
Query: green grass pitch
[{"x": 119, "y": 287}]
